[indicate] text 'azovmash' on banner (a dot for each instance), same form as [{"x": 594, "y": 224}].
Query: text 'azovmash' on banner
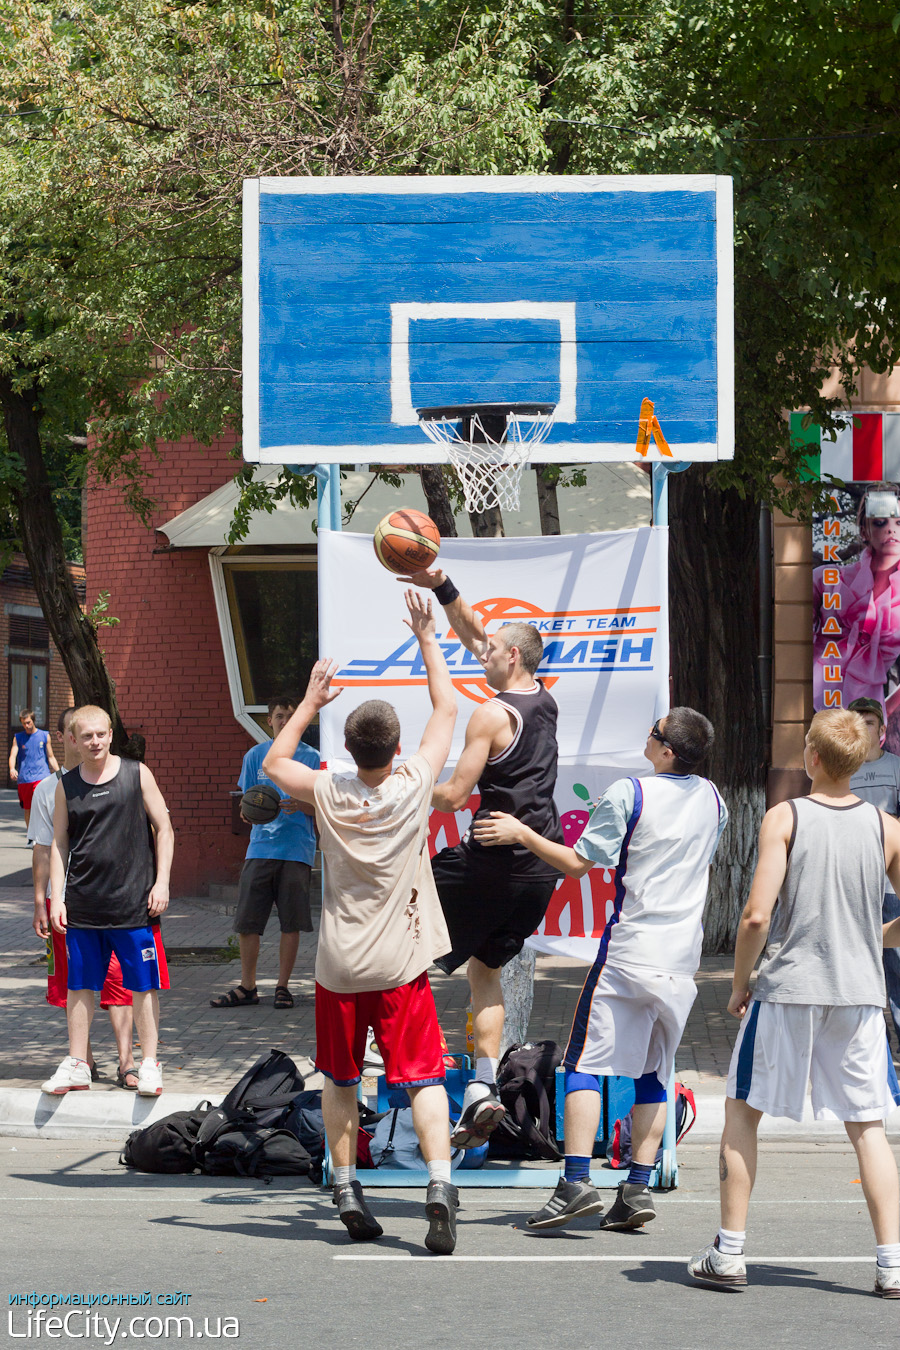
[{"x": 600, "y": 604}]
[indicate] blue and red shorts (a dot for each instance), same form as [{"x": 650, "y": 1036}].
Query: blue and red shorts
[
  {"x": 89, "y": 951},
  {"x": 113, "y": 994},
  {"x": 405, "y": 1023}
]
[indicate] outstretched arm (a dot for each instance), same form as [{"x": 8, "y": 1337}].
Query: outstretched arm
[
  {"x": 299, "y": 779},
  {"x": 438, "y": 734},
  {"x": 486, "y": 722},
  {"x": 753, "y": 930},
  {"x": 462, "y": 618}
]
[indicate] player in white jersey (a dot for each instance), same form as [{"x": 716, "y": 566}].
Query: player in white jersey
[
  {"x": 659, "y": 834},
  {"x": 816, "y": 1013}
]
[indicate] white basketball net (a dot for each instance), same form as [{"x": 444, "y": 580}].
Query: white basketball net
[{"x": 490, "y": 470}]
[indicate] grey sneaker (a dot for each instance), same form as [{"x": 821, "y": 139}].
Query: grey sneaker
[
  {"x": 887, "y": 1281},
  {"x": 481, "y": 1114},
  {"x": 571, "y": 1200},
  {"x": 716, "y": 1270},
  {"x": 354, "y": 1213},
  {"x": 441, "y": 1204},
  {"x": 633, "y": 1207}
]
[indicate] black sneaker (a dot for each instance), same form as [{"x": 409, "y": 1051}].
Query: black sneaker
[
  {"x": 354, "y": 1213},
  {"x": 633, "y": 1207},
  {"x": 571, "y": 1200},
  {"x": 481, "y": 1114},
  {"x": 441, "y": 1204}
]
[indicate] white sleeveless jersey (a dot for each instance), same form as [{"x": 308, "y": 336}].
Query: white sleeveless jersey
[{"x": 659, "y": 835}]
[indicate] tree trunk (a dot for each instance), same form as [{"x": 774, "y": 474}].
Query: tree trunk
[
  {"x": 74, "y": 634},
  {"x": 487, "y": 524},
  {"x": 438, "y": 498},
  {"x": 548, "y": 503},
  {"x": 517, "y": 982},
  {"x": 714, "y": 540}
]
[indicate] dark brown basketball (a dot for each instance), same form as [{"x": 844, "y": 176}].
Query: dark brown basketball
[
  {"x": 406, "y": 541},
  {"x": 260, "y": 804}
]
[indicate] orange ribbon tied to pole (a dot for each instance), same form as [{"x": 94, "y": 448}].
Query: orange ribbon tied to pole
[{"x": 649, "y": 429}]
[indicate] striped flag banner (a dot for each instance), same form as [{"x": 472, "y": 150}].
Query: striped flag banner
[{"x": 867, "y": 447}]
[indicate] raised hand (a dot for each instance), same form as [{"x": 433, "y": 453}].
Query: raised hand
[
  {"x": 421, "y": 615},
  {"x": 319, "y": 690},
  {"x": 429, "y": 578}
]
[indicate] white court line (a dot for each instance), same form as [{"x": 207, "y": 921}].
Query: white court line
[{"x": 622, "y": 1260}]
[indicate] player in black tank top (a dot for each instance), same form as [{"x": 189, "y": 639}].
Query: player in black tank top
[{"x": 494, "y": 901}]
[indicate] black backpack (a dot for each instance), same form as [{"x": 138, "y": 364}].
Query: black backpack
[
  {"x": 267, "y": 1089},
  {"x": 526, "y": 1080},
  {"x": 233, "y": 1143},
  {"x": 167, "y": 1145}
]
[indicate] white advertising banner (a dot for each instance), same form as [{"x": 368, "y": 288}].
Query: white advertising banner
[{"x": 600, "y": 604}]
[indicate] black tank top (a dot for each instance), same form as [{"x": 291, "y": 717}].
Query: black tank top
[
  {"x": 521, "y": 780},
  {"x": 111, "y": 857}
]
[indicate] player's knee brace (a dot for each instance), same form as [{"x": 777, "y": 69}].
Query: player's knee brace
[
  {"x": 582, "y": 1082},
  {"x": 648, "y": 1089}
]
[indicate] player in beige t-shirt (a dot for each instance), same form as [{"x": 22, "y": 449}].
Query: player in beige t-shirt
[{"x": 382, "y": 924}]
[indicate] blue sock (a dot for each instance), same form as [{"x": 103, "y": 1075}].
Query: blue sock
[
  {"x": 640, "y": 1174},
  {"x": 577, "y": 1168}
]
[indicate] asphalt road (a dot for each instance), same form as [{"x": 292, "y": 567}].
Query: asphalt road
[{"x": 276, "y": 1261}]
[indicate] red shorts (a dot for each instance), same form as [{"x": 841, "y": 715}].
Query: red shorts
[
  {"x": 26, "y": 791},
  {"x": 406, "y": 1029},
  {"x": 113, "y": 994}
]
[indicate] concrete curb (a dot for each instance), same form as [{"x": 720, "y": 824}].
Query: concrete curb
[{"x": 27, "y": 1113}]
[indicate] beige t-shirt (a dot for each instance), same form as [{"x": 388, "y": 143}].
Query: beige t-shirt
[{"x": 382, "y": 922}]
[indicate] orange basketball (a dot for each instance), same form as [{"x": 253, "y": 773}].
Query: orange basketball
[{"x": 406, "y": 541}]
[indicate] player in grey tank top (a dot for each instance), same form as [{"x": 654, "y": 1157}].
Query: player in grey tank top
[{"x": 816, "y": 1015}]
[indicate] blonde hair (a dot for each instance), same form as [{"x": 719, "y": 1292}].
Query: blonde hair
[
  {"x": 85, "y": 711},
  {"x": 841, "y": 740}
]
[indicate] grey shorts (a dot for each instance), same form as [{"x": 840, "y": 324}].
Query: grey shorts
[{"x": 273, "y": 881}]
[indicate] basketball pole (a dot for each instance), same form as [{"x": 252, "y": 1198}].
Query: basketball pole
[{"x": 328, "y": 492}]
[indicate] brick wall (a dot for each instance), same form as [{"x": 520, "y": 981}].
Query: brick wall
[{"x": 166, "y": 658}]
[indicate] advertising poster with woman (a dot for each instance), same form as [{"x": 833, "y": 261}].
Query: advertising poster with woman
[{"x": 856, "y": 601}]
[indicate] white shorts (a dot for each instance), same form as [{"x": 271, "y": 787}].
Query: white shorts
[
  {"x": 841, "y": 1051},
  {"x": 629, "y": 1022}
]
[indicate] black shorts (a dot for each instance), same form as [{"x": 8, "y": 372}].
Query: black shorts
[
  {"x": 489, "y": 913},
  {"x": 281, "y": 882}
]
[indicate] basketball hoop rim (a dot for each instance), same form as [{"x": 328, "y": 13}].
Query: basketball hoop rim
[{"x": 455, "y": 411}]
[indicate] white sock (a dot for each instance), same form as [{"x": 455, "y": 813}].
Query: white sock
[
  {"x": 486, "y": 1069},
  {"x": 887, "y": 1254},
  {"x": 731, "y": 1243},
  {"x": 439, "y": 1170},
  {"x": 342, "y": 1175}
]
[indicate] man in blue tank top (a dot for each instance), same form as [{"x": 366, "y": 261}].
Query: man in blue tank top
[
  {"x": 816, "y": 1014},
  {"x": 30, "y": 760},
  {"x": 109, "y": 876},
  {"x": 493, "y": 900}
]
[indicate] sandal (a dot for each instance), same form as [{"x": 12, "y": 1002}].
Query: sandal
[
  {"x": 283, "y": 997},
  {"x": 95, "y": 1073},
  {"x": 122, "y": 1076},
  {"x": 233, "y": 998}
]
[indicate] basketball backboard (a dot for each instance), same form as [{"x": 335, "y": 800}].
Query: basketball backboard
[{"x": 367, "y": 298}]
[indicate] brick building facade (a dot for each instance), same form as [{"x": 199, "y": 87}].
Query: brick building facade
[
  {"x": 167, "y": 660},
  {"x": 32, "y": 674}
]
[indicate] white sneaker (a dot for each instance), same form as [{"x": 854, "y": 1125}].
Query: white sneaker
[
  {"x": 149, "y": 1078},
  {"x": 887, "y": 1281},
  {"x": 73, "y": 1075},
  {"x": 716, "y": 1270}
]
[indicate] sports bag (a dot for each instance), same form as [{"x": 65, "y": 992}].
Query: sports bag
[
  {"x": 526, "y": 1081},
  {"x": 618, "y": 1150},
  {"x": 393, "y": 1142},
  {"x": 167, "y": 1145},
  {"x": 232, "y": 1143},
  {"x": 267, "y": 1089}
]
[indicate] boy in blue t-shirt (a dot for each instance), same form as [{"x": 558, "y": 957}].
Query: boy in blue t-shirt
[
  {"x": 30, "y": 760},
  {"x": 276, "y": 872}
]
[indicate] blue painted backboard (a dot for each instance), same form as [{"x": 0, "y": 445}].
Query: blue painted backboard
[{"x": 365, "y": 298}]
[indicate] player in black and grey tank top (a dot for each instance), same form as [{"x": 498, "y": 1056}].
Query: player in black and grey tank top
[{"x": 494, "y": 899}]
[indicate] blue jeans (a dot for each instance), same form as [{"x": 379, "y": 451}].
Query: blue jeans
[{"x": 891, "y": 910}]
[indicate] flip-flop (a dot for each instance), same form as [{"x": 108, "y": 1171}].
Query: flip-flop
[
  {"x": 122, "y": 1076},
  {"x": 233, "y": 1000},
  {"x": 283, "y": 997}
]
